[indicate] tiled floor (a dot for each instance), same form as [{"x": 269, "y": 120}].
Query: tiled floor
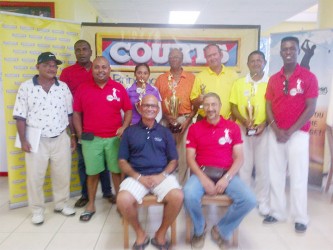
[{"x": 105, "y": 230}]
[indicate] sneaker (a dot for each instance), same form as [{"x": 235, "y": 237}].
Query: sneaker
[
  {"x": 81, "y": 202},
  {"x": 263, "y": 210},
  {"x": 198, "y": 242},
  {"x": 67, "y": 211},
  {"x": 37, "y": 219},
  {"x": 269, "y": 220},
  {"x": 300, "y": 228}
]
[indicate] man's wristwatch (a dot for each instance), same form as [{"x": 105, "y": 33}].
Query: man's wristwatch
[
  {"x": 228, "y": 177},
  {"x": 165, "y": 174}
]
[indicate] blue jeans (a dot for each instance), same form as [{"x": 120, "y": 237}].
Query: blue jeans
[
  {"x": 103, "y": 176},
  {"x": 243, "y": 202}
]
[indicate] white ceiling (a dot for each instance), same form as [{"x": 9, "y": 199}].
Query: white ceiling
[{"x": 266, "y": 13}]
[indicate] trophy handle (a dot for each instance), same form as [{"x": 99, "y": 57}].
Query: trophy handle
[
  {"x": 167, "y": 103},
  {"x": 137, "y": 106}
]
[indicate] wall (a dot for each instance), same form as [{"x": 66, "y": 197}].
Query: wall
[
  {"x": 73, "y": 10},
  {"x": 290, "y": 26}
]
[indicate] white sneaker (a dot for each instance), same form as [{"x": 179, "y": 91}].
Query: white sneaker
[
  {"x": 67, "y": 211},
  {"x": 37, "y": 219},
  {"x": 263, "y": 210}
]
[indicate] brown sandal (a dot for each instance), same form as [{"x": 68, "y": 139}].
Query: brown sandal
[{"x": 217, "y": 238}]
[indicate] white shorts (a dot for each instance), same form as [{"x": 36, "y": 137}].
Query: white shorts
[{"x": 139, "y": 191}]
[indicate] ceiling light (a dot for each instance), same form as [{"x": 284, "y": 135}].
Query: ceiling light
[{"x": 183, "y": 17}]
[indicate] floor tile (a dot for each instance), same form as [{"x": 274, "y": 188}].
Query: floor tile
[
  {"x": 73, "y": 241},
  {"x": 27, "y": 241},
  {"x": 105, "y": 230}
]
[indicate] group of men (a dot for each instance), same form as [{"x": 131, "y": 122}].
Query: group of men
[{"x": 148, "y": 153}]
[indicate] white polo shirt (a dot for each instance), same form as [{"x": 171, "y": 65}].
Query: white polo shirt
[{"x": 46, "y": 111}]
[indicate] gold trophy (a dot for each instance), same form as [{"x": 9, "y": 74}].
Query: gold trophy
[
  {"x": 202, "y": 89},
  {"x": 141, "y": 91},
  {"x": 172, "y": 106},
  {"x": 251, "y": 111}
]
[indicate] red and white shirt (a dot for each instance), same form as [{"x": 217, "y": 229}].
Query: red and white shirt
[{"x": 214, "y": 143}]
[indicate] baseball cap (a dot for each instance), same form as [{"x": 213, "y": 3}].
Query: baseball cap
[{"x": 46, "y": 57}]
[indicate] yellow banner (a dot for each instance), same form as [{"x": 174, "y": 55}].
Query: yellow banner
[{"x": 22, "y": 39}]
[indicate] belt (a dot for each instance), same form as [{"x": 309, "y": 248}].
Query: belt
[{"x": 56, "y": 135}]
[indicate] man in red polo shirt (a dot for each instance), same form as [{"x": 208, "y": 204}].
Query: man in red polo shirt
[
  {"x": 98, "y": 123},
  {"x": 214, "y": 153},
  {"x": 74, "y": 76},
  {"x": 291, "y": 98}
]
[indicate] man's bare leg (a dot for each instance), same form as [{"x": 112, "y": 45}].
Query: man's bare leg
[
  {"x": 92, "y": 183},
  {"x": 173, "y": 203},
  {"x": 128, "y": 207},
  {"x": 117, "y": 178}
]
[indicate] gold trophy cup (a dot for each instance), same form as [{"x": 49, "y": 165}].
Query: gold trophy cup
[
  {"x": 141, "y": 91},
  {"x": 250, "y": 112},
  {"x": 172, "y": 106}
]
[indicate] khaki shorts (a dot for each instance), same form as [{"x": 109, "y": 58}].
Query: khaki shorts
[
  {"x": 139, "y": 191},
  {"x": 98, "y": 151}
]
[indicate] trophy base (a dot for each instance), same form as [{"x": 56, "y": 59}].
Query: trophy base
[
  {"x": 251, "y": 132},
  {"x": 175, "y": 128}
]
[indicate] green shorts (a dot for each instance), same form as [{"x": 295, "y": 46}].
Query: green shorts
[{"x": 98, "y": 151}]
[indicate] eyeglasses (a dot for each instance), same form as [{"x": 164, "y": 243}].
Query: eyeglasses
[
  {"x": 147, "y": 106},
  {"x": 286, "y": 87}
]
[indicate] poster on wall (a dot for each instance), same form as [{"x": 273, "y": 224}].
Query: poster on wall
[
  {"x": 315, "y": 54},
  {"x": 22, "y": 39},
  {"x": 126, "y": 45},
  {"x": 3, "y": 156}
]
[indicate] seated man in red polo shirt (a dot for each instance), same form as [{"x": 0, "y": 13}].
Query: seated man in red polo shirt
[
  {"x": 214, "y": 153},
  {"x": 98, "y": 124}
]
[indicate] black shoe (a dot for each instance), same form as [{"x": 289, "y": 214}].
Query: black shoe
[
  {"x": 81, "y": 202},
  {"x": 300, "y": 228},
  {"x": 111, "y": 198},
  {"x": 269, "y": 220}
]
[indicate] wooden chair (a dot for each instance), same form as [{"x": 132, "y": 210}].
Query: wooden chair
[
  {"x": 218, "y": 200},
  {"x": 148, "y": 200}
]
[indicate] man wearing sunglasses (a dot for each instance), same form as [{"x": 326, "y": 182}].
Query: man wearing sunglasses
[{"x": 290, "y": 102}]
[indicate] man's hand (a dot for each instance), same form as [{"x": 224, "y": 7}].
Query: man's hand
[
  {"x": 156, "y": 179},
  {"x": 221, "y": 185},
  {"x": 282, "y": 136},
  {"x": 209, "y": 187},
  {"x": 169, "y": 118},
  {"x": 151, "y": 181},
  {"x": 25, "y": 146},
  {"x": 120, "y": 131},
  {"x": 185, "y": 125},
  {"x": 146, "y": 181},
  {"x": 73, "y": 143},
  {"x": 260, "y": 128}
]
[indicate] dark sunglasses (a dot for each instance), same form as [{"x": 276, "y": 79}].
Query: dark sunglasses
[{"x": 286, "y": 87}]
